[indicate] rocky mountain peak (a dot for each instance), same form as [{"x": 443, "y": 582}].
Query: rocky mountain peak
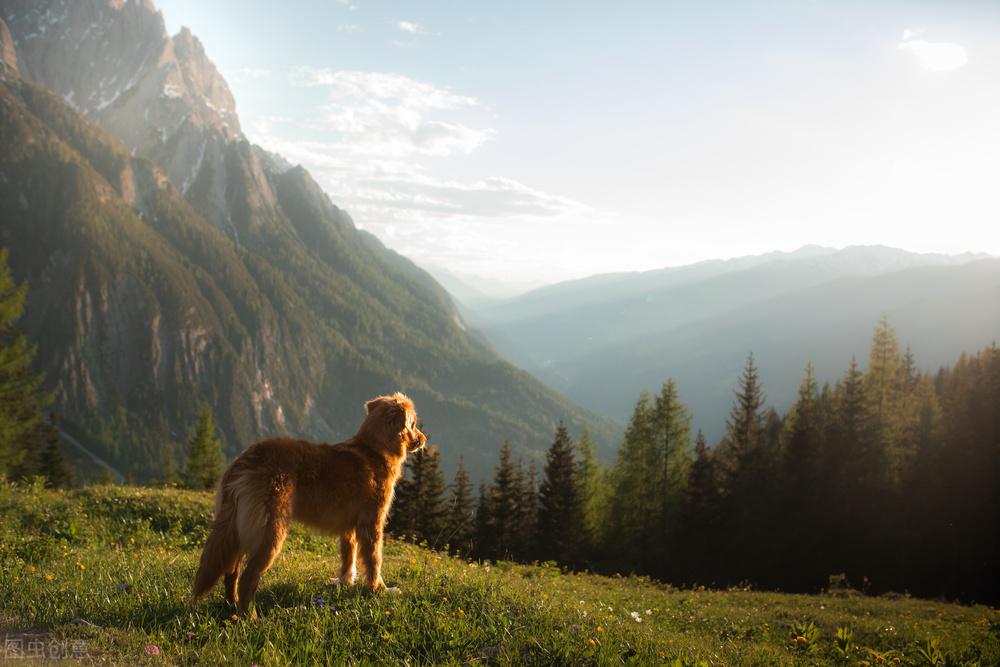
[
  {"x": 114, "y": 61},
  {"x": 8, "y": 55}
]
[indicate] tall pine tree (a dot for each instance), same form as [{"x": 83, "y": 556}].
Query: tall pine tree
[
  {"x": 461, "y": 522},
  {"x": 560, "y": 512},
  {"x": 205, "y": 460},
  {"x": 22, "y": 403}
]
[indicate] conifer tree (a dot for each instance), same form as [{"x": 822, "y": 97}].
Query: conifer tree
[
  {"x": 672, "y": 434},
  {"x": 461, "y": 524},
  {"x": 51, "y": 464},
  {"x": 560, "y": 513},
  {"x": 205, "y": 460},
  {"x": 485, "y": 540},
  {"x": 523, "y": 546},
  {"x": 635, "y": 501},
  {"x": 430, "y": 514},
  {"x": 505, "y": 498},
  {"x": 22, "y": 403},
  {"x": 700, "y": 516},
  {"x": 592, "y": 490}
]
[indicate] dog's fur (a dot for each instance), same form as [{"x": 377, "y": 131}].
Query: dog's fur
[{"x": 342, "y": 489}]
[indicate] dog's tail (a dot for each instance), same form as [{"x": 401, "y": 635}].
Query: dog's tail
[{"x": 223, "y": 545}]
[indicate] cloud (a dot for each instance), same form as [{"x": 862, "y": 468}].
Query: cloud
[
  {"x": 386, "y": 115},
  {"x": 412, "y": 28},
  {"x": 934, "y": 56},
  {"x": 365, "y": 142},
  {"x": 348, "y": 27},
  {"x": 348, "y": 4}
]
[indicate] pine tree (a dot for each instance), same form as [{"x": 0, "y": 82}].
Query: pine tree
[
  {"x": 51, "y": 464},
  {"x": 560, "y": 512},
  {"x": 22, "y": 403},
  {"x": 593, "y": 492},
  {"x": 885, "y": 385},
  {"x": 505, "y": 497},
  {"x": 461, "y": 524},
  {"x": 205, "y": 460},
  {"x": 636, "y": 477},
  {"x": 525, "y": 528},
  {"x": 672, "y": 432},
  {"x": 700, "y": 515},
  {"x": 430, "y": 512},
  {"x": 486, "y": 540},
  {"x": 803, "y": 484},
  {"x": 744, "y": 427}
]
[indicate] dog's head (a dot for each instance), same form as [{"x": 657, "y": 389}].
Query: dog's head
[{"x": 394, "y": 420}]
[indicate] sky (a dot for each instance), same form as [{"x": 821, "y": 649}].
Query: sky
[{"x": 531, "y": 142}]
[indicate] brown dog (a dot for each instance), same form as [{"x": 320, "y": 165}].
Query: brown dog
[{"x": 343, "y": 489}]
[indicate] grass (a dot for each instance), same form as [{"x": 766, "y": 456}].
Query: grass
[{"x": 103, "y": 571}]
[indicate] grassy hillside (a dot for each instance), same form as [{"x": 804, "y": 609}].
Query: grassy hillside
[{"x": 106, "y": 569}]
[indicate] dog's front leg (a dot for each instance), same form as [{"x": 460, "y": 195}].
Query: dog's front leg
[
  {"x": 370, "y": 540},
  {"x": 348, "y": 559}
]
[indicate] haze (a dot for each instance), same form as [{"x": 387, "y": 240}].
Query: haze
[{"x": 533, "y": 142}]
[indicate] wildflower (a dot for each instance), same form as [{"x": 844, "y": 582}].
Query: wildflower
[
  {"x": 461, "y": 613},
  {"x": 152, "y": 649},
  {"x": 663, "y": 654},
  {"x": 444, "y": 599},
  {"x": 318, "y": 602},
  {"x": 49, "y": 577},
  {"x": 600, "y": 629},
  {"x": 234, "y": 617},
  {"x": 649, "y": 612},
  {"x": 32, "y": 568},
  {"x": 81, "y": 566},
  {"x": 190, "y": 635},
  {"x": 592, "y": 643},
  {"x": 636, "y": 616},
  {"x": 387, "y": 613},
  {"x": 545, "y": 596},
  {"x": 413, "y": 561}
]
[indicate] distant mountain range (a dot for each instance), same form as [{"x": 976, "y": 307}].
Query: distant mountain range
[
  {"x": 171, "y": 261},
  {"x": 603, "y": 339}
]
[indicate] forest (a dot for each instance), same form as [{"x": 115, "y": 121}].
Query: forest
[{"x": 884, "y": 481}]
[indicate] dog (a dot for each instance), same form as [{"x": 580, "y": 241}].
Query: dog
[{"x": 344, "y": 489}]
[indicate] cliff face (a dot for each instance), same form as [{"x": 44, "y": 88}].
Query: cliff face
[{"x": 171, "y": 261}]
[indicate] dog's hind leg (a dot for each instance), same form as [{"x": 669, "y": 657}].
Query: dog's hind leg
[
  {"x": 232, "y": 576},
  {"x": 348, "y": 558},
  {"x": 275, "y": 517}
]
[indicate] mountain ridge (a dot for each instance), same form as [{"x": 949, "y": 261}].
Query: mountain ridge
[{"x": 244, "y": 286}]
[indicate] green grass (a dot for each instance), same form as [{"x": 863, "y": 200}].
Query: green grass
[{"x": 111, "y": 566}]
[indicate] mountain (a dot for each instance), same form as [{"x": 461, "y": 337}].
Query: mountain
[
  {"x": 171, "y": 261},
  {"x": 604, "y": 339}
]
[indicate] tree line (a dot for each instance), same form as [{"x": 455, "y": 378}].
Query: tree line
[{"x": 887, "y": 480}]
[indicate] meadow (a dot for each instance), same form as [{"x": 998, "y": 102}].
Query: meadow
[{"x": 101, "y": 574}]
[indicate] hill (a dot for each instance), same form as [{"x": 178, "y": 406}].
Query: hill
[
  {"x": 170, "y": 261},
  {"x": 604, "y": 339},
  {"x": 104, "y": 570}
]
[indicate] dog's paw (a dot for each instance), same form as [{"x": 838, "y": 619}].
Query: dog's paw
[{"x": 344, "y": 583}]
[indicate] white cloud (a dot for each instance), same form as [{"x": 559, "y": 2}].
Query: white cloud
[
  {"x": 412, "y": 28},
  {"x": 348, "y": 27},
  {"x": 348, "y": 4},
  {"x": 934, "y": 56},
  {"x": 386, "y": 115}
]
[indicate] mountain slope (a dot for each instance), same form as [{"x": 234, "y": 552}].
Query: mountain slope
[
  {"x": 604, "y": 344},
  {"x": 147, "y": 298}
]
